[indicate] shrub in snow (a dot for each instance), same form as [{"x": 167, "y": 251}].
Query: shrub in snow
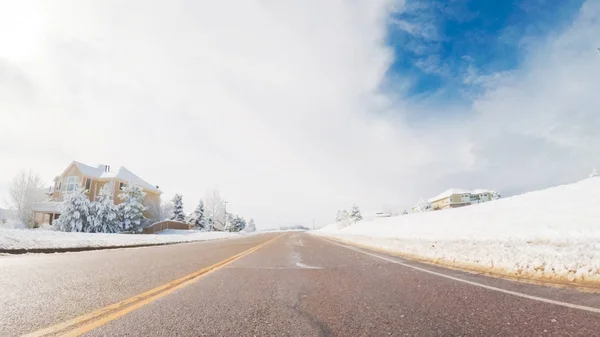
[
  {"x": 342, "y": 215},
  {"x": 250, "y": 227},
  {"x": 355, "y": 214},
  {"x": 104, "y": 213},
  {"x": 75, "y": 216},
  {"x": 235, "y": 223},
  {"x": 131, "y": 210},
  {"x": 178, "y": 214},
  {"x": 495, "y": 195},
  {"x": 594, "y": 173},
  {"x": 197, "y": 218},
  {"x": 422, "y": 206}
]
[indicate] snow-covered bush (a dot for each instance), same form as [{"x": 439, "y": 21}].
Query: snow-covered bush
[
  {"x": 235, "y": 223},
  {"x": 104, "y": 213},
  {"x": 342, "y": 215},
  {"x": 495, "y": 195},
  {"x": 355, "y": 214},
  {"x": 178, "y": 214},
  {"x": 422, "y": 206},
  {"x": 75, "y": 215},
  {"x": 131, "y": 210},
  {"x": 250, "y": 227},
  {"x": 594, "y": 173}
]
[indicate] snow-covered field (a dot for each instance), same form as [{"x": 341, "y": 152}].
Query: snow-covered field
[
  {"x": 46, "y": 239},
  {"x": 552, "y": 234}
]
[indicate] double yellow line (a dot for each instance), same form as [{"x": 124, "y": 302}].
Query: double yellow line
[{"x": 98, "y": 318}]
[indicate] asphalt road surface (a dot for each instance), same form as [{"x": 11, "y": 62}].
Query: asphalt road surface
[{"x": 292, "y": 284}]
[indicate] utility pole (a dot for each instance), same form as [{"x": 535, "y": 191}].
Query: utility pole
[{"x": 225, "y": 216}]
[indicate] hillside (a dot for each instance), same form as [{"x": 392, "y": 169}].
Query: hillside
[{"x": 548, "y": 234}]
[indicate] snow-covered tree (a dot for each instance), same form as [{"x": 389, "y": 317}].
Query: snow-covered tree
[
  {"x": 495, "y": 195},
  {"x": 250, "y": 226},
  {"x": 159, "y": 210},
  {"x": 178, "y": 214},
  {"x": 131, "y": 210},
  {"x": 422, "y": 206},
  {"x": 404, "y": 212},
  {"x": 355, "y": 214},
  {"x": 197, "y": 218},
  {"x": 342, "y": 215},
  {"x": 26, "y": 189},
  {"x": 214, "y": 207},
  {"x": 594, "y": 173},
  {"x": 75, "y": 215},
  {"x": 235, "y": 223},
  {"x": 209, "y": 223},
  {"x": 104, "y": 213}
]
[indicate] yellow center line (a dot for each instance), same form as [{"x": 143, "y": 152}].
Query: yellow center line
[{"x": 102, "y": 316}]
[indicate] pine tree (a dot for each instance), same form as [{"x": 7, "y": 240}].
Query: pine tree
[
  {"x": 210, "y": 223},
  {"x": 131, "y": 210},
  {"x": 178, "y": 214},
  {"x": 251, "y": 227},
  {"x": 75, "y": 214},
  {"x": 197, "y": 218},
  {"x": 104, "y": 213},
  {"x": 355, "y": 214}
]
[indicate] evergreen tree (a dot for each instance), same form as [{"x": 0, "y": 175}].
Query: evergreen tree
[
  {"x": 197, "y": 218},
  {"x": 104, "y": 213},
  {"x": 75, "y": 214},
  {"x": 355, "y": 214},
  {"x": 131, "y": 210},
  {"x": 210, "y": 223},
  {"x": 178, "y": 214},
  {"x": 235, "y": 223},
  {"x": 251, "y": 227}
]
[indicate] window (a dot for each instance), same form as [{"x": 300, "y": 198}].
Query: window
[
  {"x": 122, "y": 186},
  {"x": 58, "y": 186},
  {"x": 88, "y": 183},
  {"x": 71, "y": 182}
]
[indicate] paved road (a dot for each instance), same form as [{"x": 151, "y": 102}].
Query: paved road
[{"x": 296, "y": 285}]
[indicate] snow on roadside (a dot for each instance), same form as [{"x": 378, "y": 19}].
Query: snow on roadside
[
  {"x": 11, "y": 239},
  {"x": 552, "y": 234}
]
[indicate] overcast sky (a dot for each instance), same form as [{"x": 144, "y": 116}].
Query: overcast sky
[{"x": 294, "y": 109}]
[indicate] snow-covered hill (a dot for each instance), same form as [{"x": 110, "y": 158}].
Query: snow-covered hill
[{"x": 548, "y": 234}]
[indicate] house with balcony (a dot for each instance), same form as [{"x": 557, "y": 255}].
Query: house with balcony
[
  {"x": 92, "y": 179},
  {"x": 456, "y": 197}
]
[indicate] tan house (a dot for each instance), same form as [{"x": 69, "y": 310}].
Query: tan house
[
  {"x": 451, "y": 198},
  {"x": 92, "y": 179},
  {"x": 455, "y": 197}
]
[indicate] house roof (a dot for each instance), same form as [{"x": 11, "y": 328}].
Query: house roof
[
  {"x": 448, "y": 193},
  {"x": 121, "y": 173},
  {"x": 480, "y": 191}
]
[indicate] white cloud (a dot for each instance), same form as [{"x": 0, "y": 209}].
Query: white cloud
[{"x": 278, "y": 103}]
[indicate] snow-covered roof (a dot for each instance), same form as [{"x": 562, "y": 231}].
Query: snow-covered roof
[
  {"x": 448, "y": 193},
  {"x": 480, "y": 191},
  {"x": 121, "y": 173},
  {"x": 50, "y": 207}
]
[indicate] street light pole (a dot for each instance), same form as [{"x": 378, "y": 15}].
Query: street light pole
[{"x": 225, "y": 215}]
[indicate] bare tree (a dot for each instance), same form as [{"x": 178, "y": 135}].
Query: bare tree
[
  {"x": 214, "y": 207},
  {"x": 26, "y": 189},
  {"x": 159, "y": 209}
]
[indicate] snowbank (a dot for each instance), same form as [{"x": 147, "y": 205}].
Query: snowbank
[
  {"x": 552, "y": 234},
  {"x": 37, "y": 239}
]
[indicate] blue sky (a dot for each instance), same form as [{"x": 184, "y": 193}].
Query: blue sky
[{"x": 439, "y": 43}]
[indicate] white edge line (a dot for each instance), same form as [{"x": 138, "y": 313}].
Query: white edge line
[{"x": 514, "y": 293}]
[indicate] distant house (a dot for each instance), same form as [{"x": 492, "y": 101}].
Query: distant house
[
  {"x": 92, "y": 179},
  {"x": 455, "y": 197}
]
